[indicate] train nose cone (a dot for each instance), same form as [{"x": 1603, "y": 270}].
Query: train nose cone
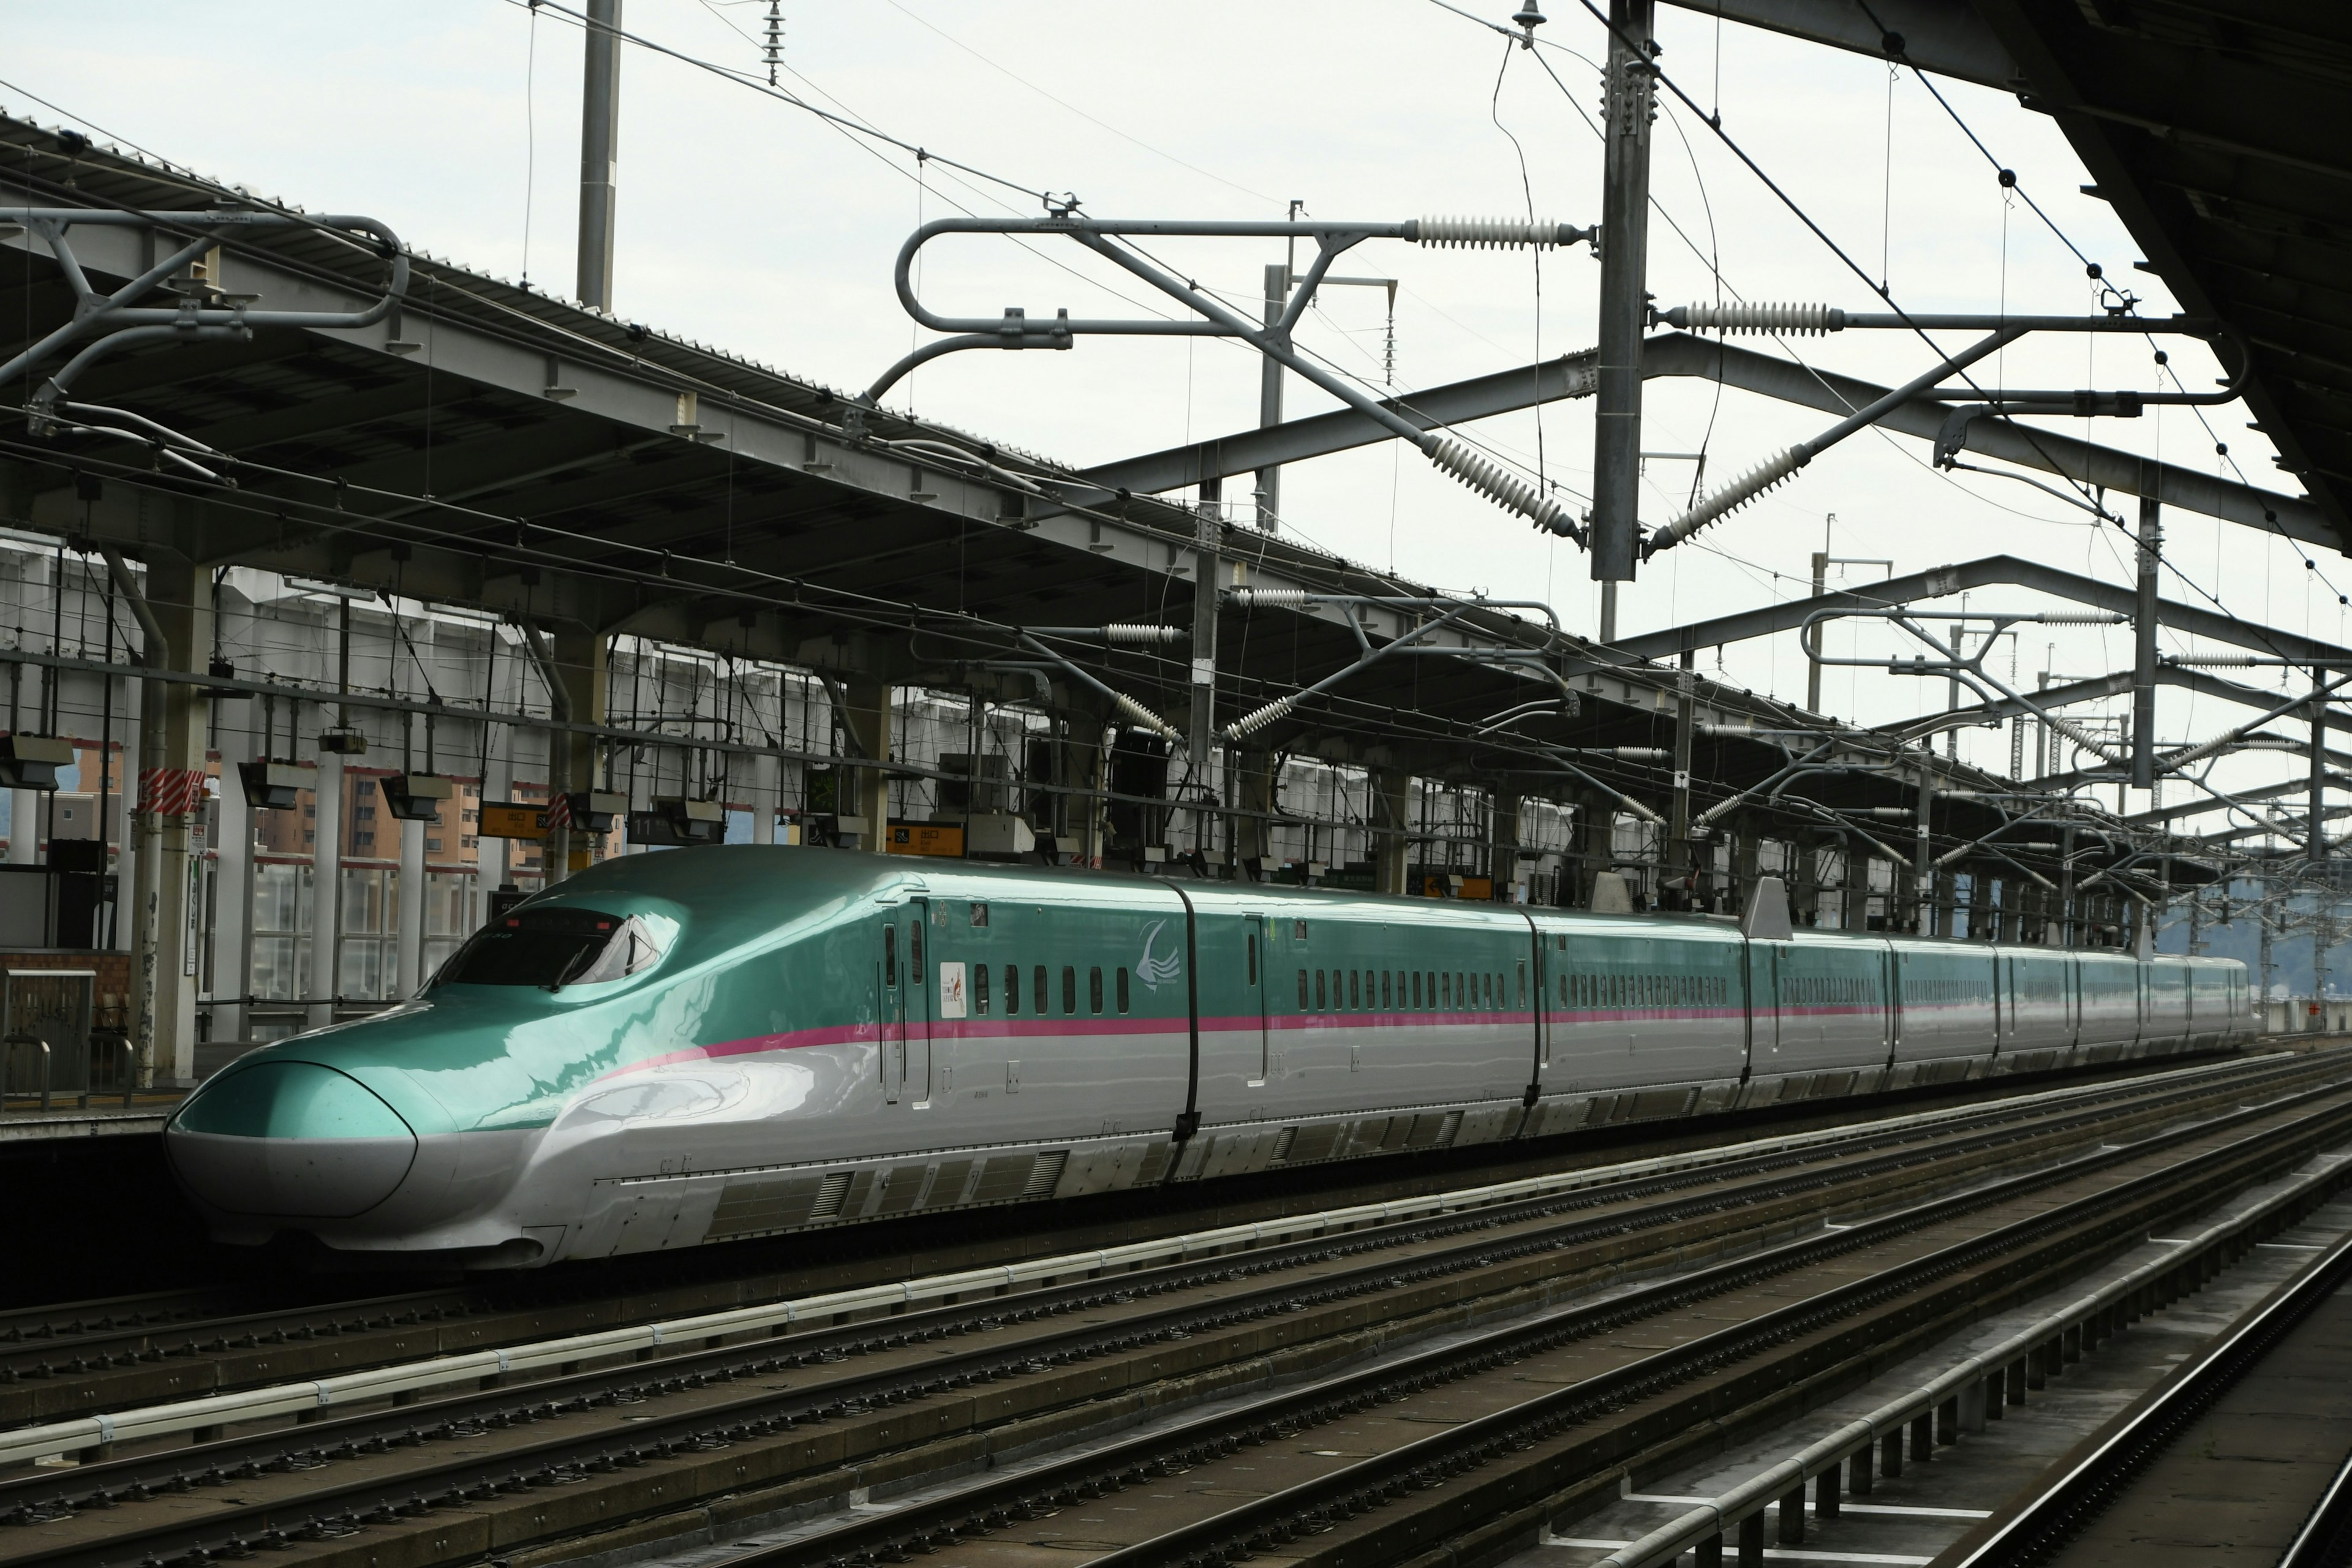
[{"x": 292, "y": 1139}]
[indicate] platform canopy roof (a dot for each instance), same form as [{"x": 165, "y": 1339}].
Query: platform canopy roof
[
  {"x": 488, "y": 445},
  {"x": 2219, "y": 130}
]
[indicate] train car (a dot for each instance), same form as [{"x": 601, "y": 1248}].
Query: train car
[{"x": 692, "y": 1047}]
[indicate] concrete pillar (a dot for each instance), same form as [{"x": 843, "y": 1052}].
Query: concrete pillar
[
  {"x": 233, "y": 871},
  {"x": 1595, "y": 840},
  {"x": 1825, "y": 1493},
  {"x": 765, "y": 771},
  {"x": 1857, "y": 1472},
  {"x": 1391, "y": 813},
  {"x": 1968, "y": 1409},
  {"x": 326, "y": 892},
  {"x": 1090, "y": 758},
  {"x": 1747, "y": 862},
  {"x": 582, "y": 664},
  {"x": 1751, "y": 1540},
  {"x": 1253, "y": 797},
  {"x": 1502, "y": 854},
  {"x": 1890, "y": 1453},
  {"x": 24, "y": 826},
  {"x": 496, "y": 866},
  {"x": 1792, "y": 1516},
  {"x": 409, "y": 913},
  {"x": 166, "y": 899},
  {"x": 1923, "y": 1439},
  {"x": 866, "y": 714}
]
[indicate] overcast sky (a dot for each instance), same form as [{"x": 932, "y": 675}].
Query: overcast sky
[{"x": 750, "y": 225}]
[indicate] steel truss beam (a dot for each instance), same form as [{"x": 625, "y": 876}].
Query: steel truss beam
[{"x": 1684, "y": 354}]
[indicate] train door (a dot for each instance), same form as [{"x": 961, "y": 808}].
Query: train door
[
  {"x": 892, "y": 1007},
  {"x": 920, "y": 1010},
  {"x": 1255, "y": 932},
  {"x": 1894, "y": 1014}
]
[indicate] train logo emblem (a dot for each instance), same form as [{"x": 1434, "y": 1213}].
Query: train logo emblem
[{"x": 1156, "y": 971}]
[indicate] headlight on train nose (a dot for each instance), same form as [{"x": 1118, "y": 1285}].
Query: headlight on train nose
[{"x": 290, "y": 1138}]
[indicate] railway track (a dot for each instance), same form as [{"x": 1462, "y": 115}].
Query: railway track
[
  {"x": 780, "y": 1423},
  {"x": 88, "y": 1356},
  {"x": 2170, "y": 1478}
]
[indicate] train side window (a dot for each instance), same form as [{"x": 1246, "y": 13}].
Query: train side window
[
  {"x": 1302, "y": 991},
  {"x": 980, "y": 990},
  {"x": 1444, "y": 992},
  {"x": 1355, "y": 989},
  {"x": 915, "y": 953},
  {"x": 1253, "y": 959},
  {"x": 1322, "y": 997},
  {"x": 979, "y": 914},
  {"x": 1523, "y": 982},
  {"x": 1037, "y": 991},
  {"x": 1094, "y": 989},
  {"x": 1416, "y": 990},
  {"x": 890, "y": 955},
  {"x": 1122, "y": 990},
  {"x": 1012, "y": 989},
  {"x": 1069, "y": 989},
  {"x": 1385, "y": 1003}
]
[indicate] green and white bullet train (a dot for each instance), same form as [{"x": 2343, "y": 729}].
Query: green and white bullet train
[{"x": 693, "y": 1047}]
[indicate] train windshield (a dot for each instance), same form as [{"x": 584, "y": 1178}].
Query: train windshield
[{"x": 553, "y": 948}]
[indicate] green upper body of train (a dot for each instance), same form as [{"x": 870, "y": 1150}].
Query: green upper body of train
[{"x": 688, "y": 1047}]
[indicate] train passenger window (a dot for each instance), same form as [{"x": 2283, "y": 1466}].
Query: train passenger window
[
  {"x": 1037, "y": 991},
  {"x": 1302, "y": 991},
  {"x": 1012, "y": 989},
  {"x": 1446, "y": 990},
  {"x": 1122, "y": 990},
  {"x": 1416, "y": 989},
  {"x": 1355, "y": 990},
  {"x": 1069, "y": 990},
  {"x": 1523, "y": 982},
  {"x": 980, "y": 990},
  {"x": 1253, "y": 959},
  {"x": 1385, "y": 1003},
  {"x": 1322, "y": 997},
  {"x": 1094, "y": 989},
  {"x": 890, "y": 955}
]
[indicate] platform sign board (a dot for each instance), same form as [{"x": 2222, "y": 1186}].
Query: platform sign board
[
  {"x": 506, "y": 819},
  {"x": 924, "y": 839}
]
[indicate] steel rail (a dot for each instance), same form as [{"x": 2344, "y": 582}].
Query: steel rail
[
  {"x": 1265, "y": 1523},
  {"x": 757, "y": 1415}
]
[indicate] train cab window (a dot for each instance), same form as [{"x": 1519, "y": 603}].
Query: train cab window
[
  {"x": 1038, "y": 992},
  {"x": 1322, "y": 997},
  {"x": 1095, "y": 989},
  {"x": 1302, "y": 991},
  {"x": 1122, "y": 990},
  {"x": 553, "y": 948},
  {"x": 980, "y": 990},
  {"x": 1011, "y": 990},
  {"x": 979, "y": 914},
  {"x": 1069, "y": 990}
]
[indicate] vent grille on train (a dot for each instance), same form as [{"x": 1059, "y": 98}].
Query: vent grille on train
[
  {"x": 829, "y": 1196},
  {"x": 1045, "y": 1173}
]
